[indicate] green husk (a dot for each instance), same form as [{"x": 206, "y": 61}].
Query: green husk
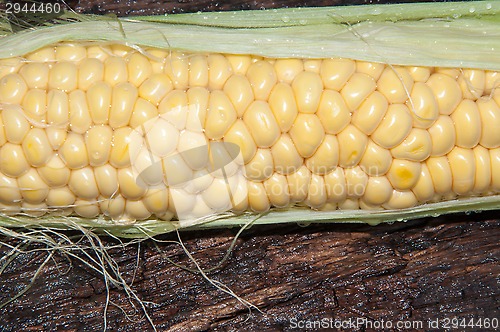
[{"x": 465, "y": 35}]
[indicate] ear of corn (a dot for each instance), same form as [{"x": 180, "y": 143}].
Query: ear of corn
[{"x": 189, "y": 121}]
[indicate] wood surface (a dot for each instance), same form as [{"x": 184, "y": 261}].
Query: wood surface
[{"x": 427, "y": 270}]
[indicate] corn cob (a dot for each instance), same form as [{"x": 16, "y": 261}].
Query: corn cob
[{"x": 82, "y": 122}]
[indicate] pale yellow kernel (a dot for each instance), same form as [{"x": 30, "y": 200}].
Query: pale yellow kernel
[
  {"x": 443, "y": 136},
  {"x": 12, "y": 89},
  {"x": 277, "y": 190},
  {"x": 440, "y": 173},
  {"x": 120, "y": 155},
  {"x": 298, "y": 184},
  {"x": 74, "y": 152},
  {"x": 349, "y": 204},
  {"x": 370, "y": 113},
  {"x": 56, "y": 136},
  {"x": 63, "y": 76},
  {"x": 396, "y": 84},
  {"x": 122, "y": 104},
  {"x": 365, "y": 206},
  {"x": 239, "y": 135},
  {"x": 121, "y": 50},
  {"x": 15, "y": 124},
  {"x": 286, "y": 158},
  {"x": 136, "y": 210},
  {"x": 326, "y": 158},
  {"x": 143, "y": 112},
  {"x": 34, "y": 210},
  {"x": 447, "y": 92},
  {"x": 107, "y": 180},
  {"x": 376, "y": 160},
  {"x": 194, "y": 149},
  {"x": 482, "y": 178},
  {"x": 467, "y": 124},
  {"x": 423, "y": 106},
  {"x": 60, "y": 198},
  {"x": 262, "y": 78},
  {"x": 240, "y": 196},
  {"x": 424, "y": 188},
  {"x": 115, "y": 70},
  {"x": 155, "y": 88},
  {"x": 139, "y": 69},
  {"x": 175, "y": 170},
  {"x": 70, "y": 52},
  {"x": 404, "y": 174},
  {"x": 352, "y": 146},
  {"x": 257, "y": 197},
  {"x": 9, "y": 190},
  {"x": 401, "y": 200},
  {"x": 87, "y": 208},
  {"x": 356, "y": 180},
  {"x": 198, "y": 103},
  {"x": 312, "y": 65},
  {"x": 239, "y": 63},
  {"x": 55, "y": 173},
  {"x": 161, "y": 137},
  {"x": 202, "y": 179},
  {"x": 98, "y": 143},
  {"x": 357, "y": 89},
  {"x": 90, "y": 71},
  {"x": 33, "y": 189},
  {"x": 463, "y": 169},
  {"x": 333, "y": 112},
  {"x": 378, "y": 190},
  {"x": 100, "y": 52},
  {"x": 283, "y": 105},
  {"x": 316, "y": 195},
  {"x": 198, "y": 70},
  {"x": 113, "y": 207},
  {"x": 394, "y": 128},
  {"x": 167, "y": 216},
  {"x": 288, "y": 69},
  {"x": 79, "y": 115},
  {"x": 239, "y": 91},
  {"x": 174, "y": 108},
  {"x": 307, "y": 87},
  {"x": 496, "y": 96},
  {"x": 177, "y": 69},
  {"x": 472, "y": 82},
  {"x": 44, "y": 54},
  {"x": 451, "y": 72},
  {"x": 261, "y": 167},
  {"x": 10, "y": 209},
  {"x": 489, "y": 113},
  {"x": 492, "y": 81},
  {"x": 3, "y": 139},
  {"x": 157, "y": 58},
  {"x": 416, "y": 146},
  {"x": 335, "y": 185},
  {"x": 372, "y": 69},
  {"x": 336, "y": 72},
  {"x": 156, "y": 200},
  {"x": 216, "y": 196},
  {"x": 36, "y": 147},
  {"x": 495, "y": 166},
  {"x": 34, "y": 105},
  {"x": 148, "y": 168},
  {"x": 10, "y": 66},
  {"x": 57, "y": 109},
  {"x": 219, "y": 71},
  {"x": 36, "y": 75},
  {"x": 128, "y": 185},
  {"x": 307, "y": 134},
  {"x": 261, "y": 123},
  {"x": 419, "y": 74},
  {"x": 99, "y": 101},
  {"x": 220, "y": 115}
]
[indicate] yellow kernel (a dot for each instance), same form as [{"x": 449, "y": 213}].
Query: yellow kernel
[
  {"x": 121, "y": 50},
  {"x": 33, "y": 189},
  {"x": 357, "y": 89},
  {"x": 37, "y": 148},
  {"x": 57, "y": 109},
  {"x": 492, "y": 81},
  {"x": 419, "y": 74},
  {"x": 312, "y": 65},
  {"x": 495, "y": 166},
  {"x": 352, "y": 146},
  {"x": 113, "y": 207},
  {"x": 56, "y": 136},
  {"x": 467, "y": 124},
  {"x": 220, "y": 115},
  {"x": 370, "y": 113},
  {"x": 10, "y": 209},
  {"x": 257, "y": 197},
  {"x": 326, "y": 158},
  {"x": 423, "y": 106},
  {"x": 482, "y": 179},
  {"x": 415, "y": 147},
  {"x": 239, "y": 135},
  {"x": 446, "y": 91},
  {"x": 404, "y": 174},
  {"x": 442, "y": 135},
  {"x": 216, "y": 196},
  {"x": 239, "y": 63},
  {"x": 356, "y": 181},
  {"x": 239, "y": 91},
  {"x": 298, "y": 184},
  {"x": 177, "y": 69},
  {"x": 74, "y": 152},
  {"x": 283, "y": 105},
  {"x": 424, "y": 188},
  {"x": 12, "y": 89},
  {"x": 261, "y": 166},
  {"x": 333, "y": 112},
  {"x": 136, "y": 210},
  {"x": 98, "y": 143},
  {"x": 122, "y": 104},
  {"x": 219, "y": 70},
  {"x": 198, "y": 71},
  {"x": 463, "y": 169},
  {"x": 79, "y": 115},
  {"x": 86, "y": 208},
  {"x": 156, "y": 200},
  {"x": 307, "y": 87},
  {"x": 194, "y": 149},
  {"x": 34, "y": 210},
  {"x": 396, "y": 84},
  {"x": 55, "y": 173},
  {"x": 107, "y": 180},
  {"x": 372, "y": 69},
  {"x": 176, "y": 170},
  {"x": 262, "y": 125},
  {"x": 9, "y": 190},
  {"x": 336, "y": 72},
  {"x": 115, "y": 70},
  {"x": 143, "y": 111},
  {"x": 15, "y": 125},
  {"x": 155, "y": 88},
  {"x": 198, "y": 103},
  {"x": 174, "y": 108},
  {"x": 376, "y": 160},
  {"x": 3, "y": 139},
  {"x": 139, "y": 69},
  {"x": 378, "y": 190},
  {"x": 34, "y": 105},
  {"x": 36, "y": 75},
  {"x": 98, "y": 52},
  {"x": 44, "y": 54},
  {"x": 120, "y": 155},
  {"x": 90, "y": 71},
  {"x": 277, "y": 190},
  {"x": 394, "y": 128},
  {"x": 157, "y": 58},
  {"x": 288, "y": 69},
  {"x": 401, "y": 200},
  {"x": 439, "y": 168},
  {"x": 262, "y": 78},
  {"x": 128, "y": 184},
  {"x": 161, "y": 137},
  {"x": 316, "y": 195},
  {"x": 63, "y": 76},
  {"x": 60, "y": 198},
  {"x": 450, "y": 72},
  {"x": 70, "y": 52},
  {"x": 99, "y": 101},
  {"x": 489, "y": 112},
  {"x": 349, "y": 204},
  {"x": 286, "y": 158},
  {"x": 307, "y": 134},
  {"x": 335, "y": 185},
  {"x": 472, "y": 82}
]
